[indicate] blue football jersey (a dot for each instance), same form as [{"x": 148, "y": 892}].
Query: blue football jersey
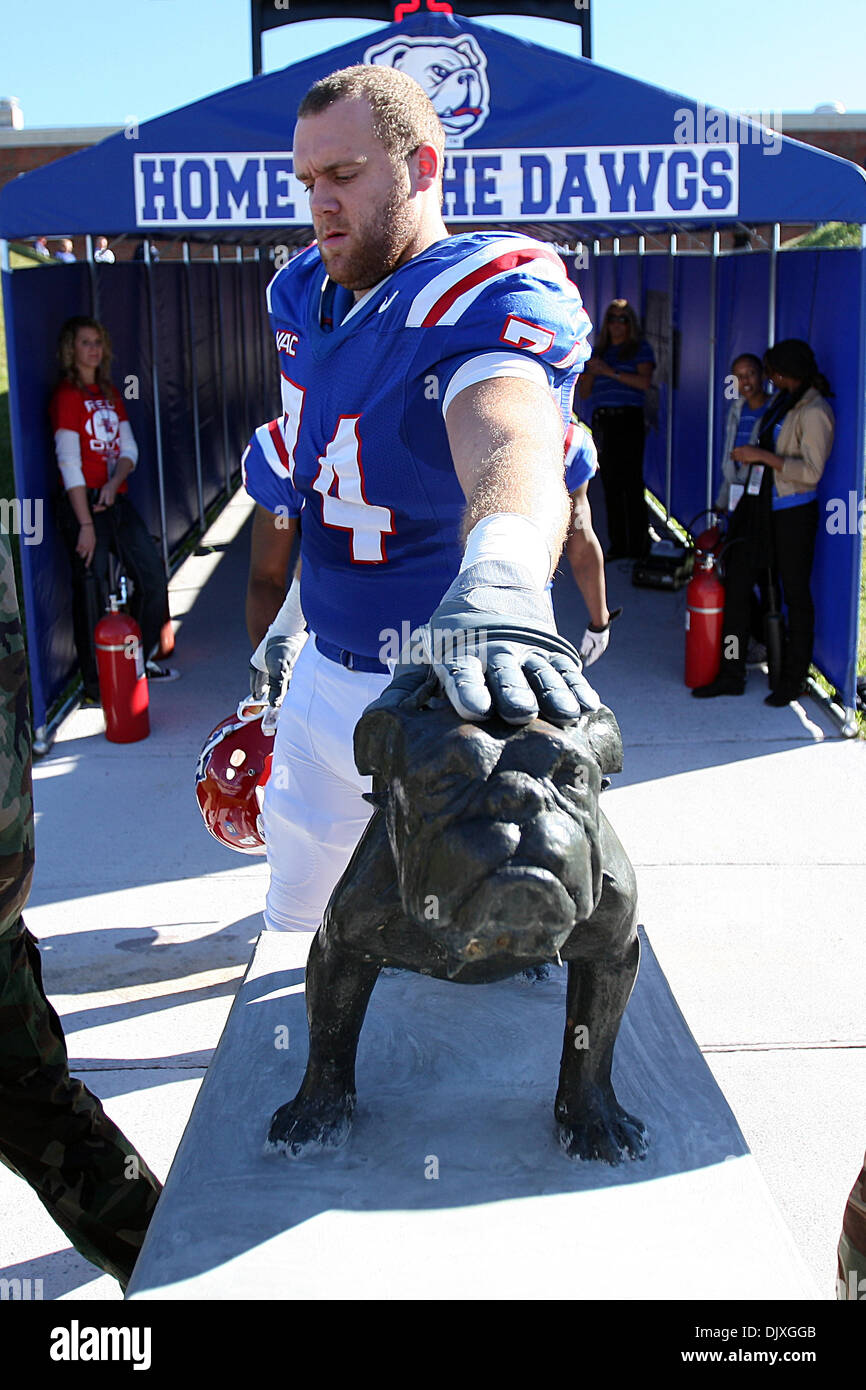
[
  {"x": 365, "y": 387},
  {"x": 581, "y": 456},
  {"x": 265, "y": 471}
]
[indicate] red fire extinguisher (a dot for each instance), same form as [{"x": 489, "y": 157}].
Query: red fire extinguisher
[
  {"x": 122, "y": 682},
  {"x": 712, "y": 537},
  {"x": 705, "y": 609}
]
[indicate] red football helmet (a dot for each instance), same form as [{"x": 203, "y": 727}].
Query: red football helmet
[{"x": 233, "y": 767}]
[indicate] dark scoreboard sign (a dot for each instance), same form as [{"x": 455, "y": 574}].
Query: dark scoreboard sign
[{"x": 272, "y": 14}]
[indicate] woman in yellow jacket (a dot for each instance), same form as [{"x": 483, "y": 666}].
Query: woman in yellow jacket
[{"x": 776, "y": 520}]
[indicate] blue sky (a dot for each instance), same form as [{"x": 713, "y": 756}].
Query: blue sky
[{"x": 143, "y": 57}]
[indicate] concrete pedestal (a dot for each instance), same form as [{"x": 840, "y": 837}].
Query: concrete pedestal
[{"x": 452, "y": 1184}]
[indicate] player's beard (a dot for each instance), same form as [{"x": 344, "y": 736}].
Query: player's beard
[{"x": 380, "y": 241}]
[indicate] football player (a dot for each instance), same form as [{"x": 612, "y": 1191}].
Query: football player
[
  {"x": 426, "y": 384},
  {"x": 582, "y": 546}
]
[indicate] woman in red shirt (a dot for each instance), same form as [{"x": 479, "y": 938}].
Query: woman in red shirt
[{"x": 96, "y": 452}]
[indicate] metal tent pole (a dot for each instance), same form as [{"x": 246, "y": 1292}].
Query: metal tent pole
[
  {"x": 157, "y": 418},
  {"x": 222, "y": 362},
  {"x": 849, "y": 725},
  {"x": 774, "y": 269},
  {"x": 641, "y": 252},
  {"x": 596, "y": 263},
  {"x": 91, "y": 272},
  {"x": 260, "y": 325},
  {"x": 190, "y": 326},
  {"x": 711, "y": 374},
  {"x": 241, "y": 305},
  {"x": 669, "y": 442}
]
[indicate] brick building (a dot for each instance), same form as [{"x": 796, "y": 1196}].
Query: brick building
[
  {"x": 23, "y": 150},
  {"x": 843, "y": 134}
]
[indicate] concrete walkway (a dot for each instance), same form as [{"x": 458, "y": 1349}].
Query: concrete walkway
[{"x": 745, "y": 825}]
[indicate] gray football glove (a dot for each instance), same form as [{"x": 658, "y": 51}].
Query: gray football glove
[
  {"x": 278, "y": 659},
  {"x": 493, "y": 645}
]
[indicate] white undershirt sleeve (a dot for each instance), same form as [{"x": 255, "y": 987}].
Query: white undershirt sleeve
[
  {"x": 68, "y": 449},
  {"x": 493, "y": 364},
  {"x": 289, "y": 622},
  {"x": 128, "y": 446}
]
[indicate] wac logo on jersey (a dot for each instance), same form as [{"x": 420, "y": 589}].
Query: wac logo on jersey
[{"x": 286, "y": 341}]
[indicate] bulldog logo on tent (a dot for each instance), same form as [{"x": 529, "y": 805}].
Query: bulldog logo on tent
[{"x": 453, "y": 73}]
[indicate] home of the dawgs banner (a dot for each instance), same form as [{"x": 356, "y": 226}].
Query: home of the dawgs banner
[{"x": 595, "y": 184}]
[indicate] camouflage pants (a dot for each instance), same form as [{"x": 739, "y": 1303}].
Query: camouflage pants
[
  {"x": 851, "y": 1255},
  {"x": 55, "y": 1134}
]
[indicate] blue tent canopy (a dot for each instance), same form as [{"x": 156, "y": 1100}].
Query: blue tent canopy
[
  {"x": 556, "y": 145},
  {"x": 535, "y": 136}
]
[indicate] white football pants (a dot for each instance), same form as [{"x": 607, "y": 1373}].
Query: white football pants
[{"x": 313, "y": 812}]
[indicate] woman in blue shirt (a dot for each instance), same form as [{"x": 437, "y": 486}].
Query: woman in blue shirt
[
  {"x": 742, "y": 425},
  {"x": 615, "y": 380}
]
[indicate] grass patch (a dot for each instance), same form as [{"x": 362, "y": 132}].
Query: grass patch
[{"x": 840, "y": 235}]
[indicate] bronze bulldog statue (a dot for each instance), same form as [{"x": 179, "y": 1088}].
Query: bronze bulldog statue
[{"x": 487, "y": 853}]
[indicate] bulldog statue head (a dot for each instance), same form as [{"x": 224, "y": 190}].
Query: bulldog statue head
[{"x": 497, "y": 824}]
